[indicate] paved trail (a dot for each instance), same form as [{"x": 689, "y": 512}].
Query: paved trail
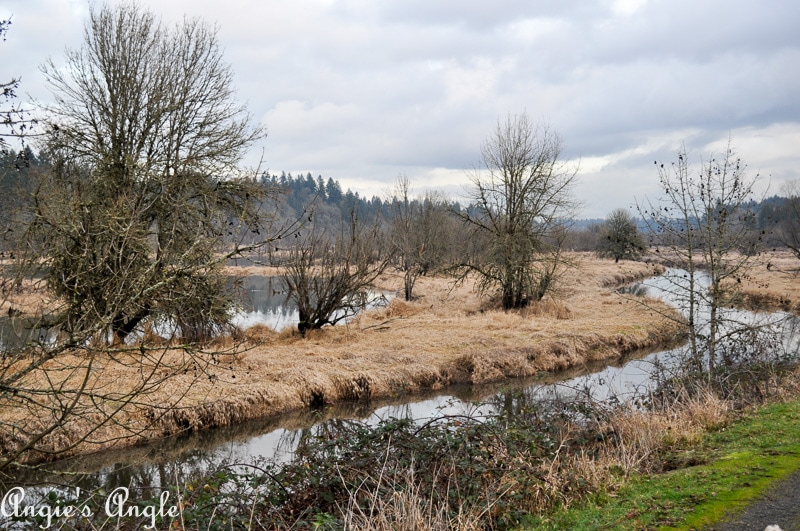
[{"x": 779, "y": 506}]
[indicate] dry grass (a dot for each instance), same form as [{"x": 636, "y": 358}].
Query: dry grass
[
  {"x": 633, "y": 441},
  {"x": 407, "y": 508},
  {"x": 444, "y": 337},
  {"x": 244, "y": 271},
  {"x": 26, "y": 297},
  {"x": 773, "y": 283},
  {"x": 635, "y": 436}
]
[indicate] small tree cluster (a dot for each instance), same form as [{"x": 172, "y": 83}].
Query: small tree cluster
[{"x": 420, "y": 231}]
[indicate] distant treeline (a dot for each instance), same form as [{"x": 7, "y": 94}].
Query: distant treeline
[
  {"x": 300, "y": 196},
  {"x": 327, "y": 199},
  {"x": 15, "y": 168},
  {"x": 330, "y": 203}
]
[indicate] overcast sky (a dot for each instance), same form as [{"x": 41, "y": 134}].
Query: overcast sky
[{"x": 363, "y": 90}]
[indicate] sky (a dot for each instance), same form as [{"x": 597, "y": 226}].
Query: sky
[{"x": 366, "y": 90}]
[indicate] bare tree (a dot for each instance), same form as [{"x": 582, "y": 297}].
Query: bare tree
[
  {"x": 16, "y": 125},
  {"x": 328, "y": 276},
  {"x": 138, "y": 208},
  {"x": 586, "y": 238},
  {"x": 704, "y": 221},
  {"x": 437, "y": 232},
  {"x": 15, "y": 119},
  {"x": 620, "y": 238},
  {"x": 402, "y": 235},
  {"x": 145, "y": 137},
  {"x": 522, "y": 198},
  {"x": 418, "y": 229}
]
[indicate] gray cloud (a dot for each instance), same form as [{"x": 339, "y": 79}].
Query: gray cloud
[{"x": 361, "y": 90}]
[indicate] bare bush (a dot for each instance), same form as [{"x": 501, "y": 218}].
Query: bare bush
[{"x": 328, "y": 275}]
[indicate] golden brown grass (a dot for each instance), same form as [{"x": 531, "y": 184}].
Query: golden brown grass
[
  {"x": 773, "y": 283},
  {"x": 407, "y": 508},
  {"x": 633, "y": 442},
  {"x": 26, "y": 297},
  {"x": 638, "y": 434},
  {"x": 444, "y": 337}
]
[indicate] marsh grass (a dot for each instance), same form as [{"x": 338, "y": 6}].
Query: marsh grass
[
  {"x": 406, "y": 508},
  {"x": 727, "y": 458},
  {"x": 635, "y": 440},
  {"x": 446, "y": 336}
]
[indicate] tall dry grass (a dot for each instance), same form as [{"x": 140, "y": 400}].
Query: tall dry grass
[
  {"x": 446, "y": 336},
  {"x": 408, "y": 508},
  {"x": 635, "y": 437},
  {"x": 588, "y": 458}
]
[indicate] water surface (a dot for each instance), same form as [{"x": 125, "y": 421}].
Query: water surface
[{"x": 165, "y": 462}]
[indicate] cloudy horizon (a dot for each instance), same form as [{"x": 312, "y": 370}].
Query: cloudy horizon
[{"x": 362, "y": 91}]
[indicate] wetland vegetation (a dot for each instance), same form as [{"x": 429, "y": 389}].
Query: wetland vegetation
[{"x": 121, "y": 234}]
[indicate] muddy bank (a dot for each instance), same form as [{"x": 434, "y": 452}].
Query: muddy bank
[{"x": 447, "y": 336}]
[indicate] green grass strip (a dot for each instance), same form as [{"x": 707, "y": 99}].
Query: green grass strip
[{"x": 742, "y": 461}]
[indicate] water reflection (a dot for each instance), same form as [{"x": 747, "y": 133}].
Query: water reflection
[
  {"x": 266, "y": 301},
  {"x": 18, "y": 331},
  {"x": 741, "y": 335},
  {"x": 177, "y": 459},
  {"x": 173, "y": 460},
  {"x": 263, "y": 301}
]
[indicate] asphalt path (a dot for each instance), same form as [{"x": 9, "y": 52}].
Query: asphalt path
[{"x": 780, "y": 506}]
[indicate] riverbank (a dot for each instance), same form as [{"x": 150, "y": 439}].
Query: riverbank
[
  {"x": 769, "y": 283},
  {"x": 708, "y": 482},
  {"x": 449, "y": 335},
  {"x": 773, "y": 283}
]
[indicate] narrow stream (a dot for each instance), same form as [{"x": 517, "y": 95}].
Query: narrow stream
[{"x": 166, "y": 462}]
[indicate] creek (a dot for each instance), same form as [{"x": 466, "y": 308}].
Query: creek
[{"x": 168, "y": 461}]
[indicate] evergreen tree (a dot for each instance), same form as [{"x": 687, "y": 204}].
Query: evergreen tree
[
  {"x": 334, "y": 191},
  {"x": 321, "y": 188}
]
